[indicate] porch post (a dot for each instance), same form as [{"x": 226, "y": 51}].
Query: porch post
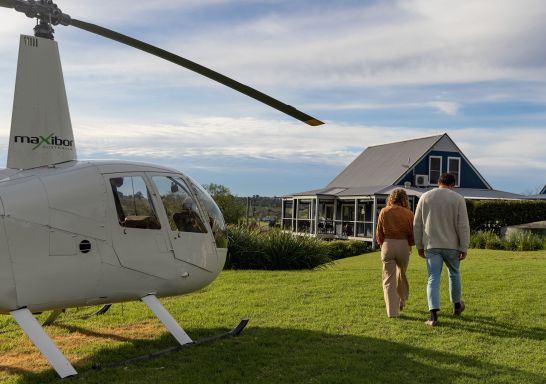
[
  {"x": 374, "y": 221},
  {"x": 311, "y": 216},
  {"x": 282, "y": 213},
  {"x": 297, "y": 213},
  {"x": 335, "y": 216},
  {"x": 316, "y": 216},
  {"x": 355, "y": 217}
]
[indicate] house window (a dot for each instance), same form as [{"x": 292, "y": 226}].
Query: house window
[
  {"x": 434, "y": 169},
  {"x": 454, "y": 167}
]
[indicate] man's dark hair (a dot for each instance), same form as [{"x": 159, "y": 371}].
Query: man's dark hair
[{"x": 447, "y": 179}]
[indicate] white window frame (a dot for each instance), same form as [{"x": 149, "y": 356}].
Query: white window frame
[
  {"x": 429, "y": 168},
  {"x": 458, "y": 181}
]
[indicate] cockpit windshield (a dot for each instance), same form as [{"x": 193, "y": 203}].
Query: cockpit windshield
[
  {"x": 216, "y": 219},
  {"x": 180, "y": 207}
]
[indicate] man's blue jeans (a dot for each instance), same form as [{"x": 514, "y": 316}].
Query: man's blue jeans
[{"x": 435, "y": 258}]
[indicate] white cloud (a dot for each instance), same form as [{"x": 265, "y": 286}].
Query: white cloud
[
  {"x": 333, "y": 51},
  {"x": 407, "y": 42},
  {"x": 447, "y": 107}
]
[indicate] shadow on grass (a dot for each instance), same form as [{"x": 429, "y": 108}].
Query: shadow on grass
[
  {"x": 482, "y": 325},
  {"x": 494, "y": 328},
  {"x": 91, "y": 333},
  {"x": 276, "y": 355}
]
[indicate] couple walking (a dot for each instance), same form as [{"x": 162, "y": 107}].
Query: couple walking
[{"x": 441, "y": 233}]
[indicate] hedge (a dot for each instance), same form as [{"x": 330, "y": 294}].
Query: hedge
[
  {"x": 250, "y": 248},
  {"x": 492, "y": 215},
  {"x": 339, "y": 249}
]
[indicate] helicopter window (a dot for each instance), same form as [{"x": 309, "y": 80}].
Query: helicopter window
[
  {"x": 216, "y": 219},
  {"x": 179, "y": 205},
  {"x": 133, "y": 203}
]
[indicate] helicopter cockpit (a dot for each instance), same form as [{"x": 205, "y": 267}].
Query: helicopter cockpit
[
  {"x": 135, "y": 207},
  {"x": 180, "y": 207},
  {"x": 216, "y": 219}
]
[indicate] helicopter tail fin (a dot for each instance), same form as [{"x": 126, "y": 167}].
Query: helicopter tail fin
[{"x": 41, "y": 131}]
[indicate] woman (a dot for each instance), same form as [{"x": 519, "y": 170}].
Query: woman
[{"x": 395, "y": 236}]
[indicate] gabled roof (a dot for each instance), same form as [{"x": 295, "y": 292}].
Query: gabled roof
[
  {"x": 387, "y": 164},
  {"x": 384, "y": 164},
  {"x": 543, "y": 191}
]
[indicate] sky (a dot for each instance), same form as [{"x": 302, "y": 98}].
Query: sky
[{"x": 374, "y": 71}]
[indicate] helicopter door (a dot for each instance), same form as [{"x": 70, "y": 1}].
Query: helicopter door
[
  {"x": 138, "y": 240},
  {"x": 189, "y": 235}
]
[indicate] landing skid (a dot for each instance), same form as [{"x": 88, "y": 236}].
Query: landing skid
[
  {"x": 233, "y": 333},
  {"x": 62, "y": 366},
  {"x": 103, "y": 309}
]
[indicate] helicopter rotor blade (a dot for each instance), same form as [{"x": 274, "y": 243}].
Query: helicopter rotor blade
[{"x": 222, "y": 79}]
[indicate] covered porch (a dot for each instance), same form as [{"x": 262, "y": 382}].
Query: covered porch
[
  {"x": 340, "y": 214},
  {"x": 330, "y": 217}
]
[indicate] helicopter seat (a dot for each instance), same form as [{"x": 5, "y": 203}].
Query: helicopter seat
[{"x": 142, "y": 222}]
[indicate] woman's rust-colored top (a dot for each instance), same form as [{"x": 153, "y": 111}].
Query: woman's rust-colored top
[{"x": 395, "y": 222}]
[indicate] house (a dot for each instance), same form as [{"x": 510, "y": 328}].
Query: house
[{"x": 349, "y": 205}]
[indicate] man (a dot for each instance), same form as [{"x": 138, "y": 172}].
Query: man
[{"x": 442, "y": 235}]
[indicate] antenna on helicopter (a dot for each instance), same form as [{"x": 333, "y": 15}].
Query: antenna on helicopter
[{"x": 49, "y": 14}]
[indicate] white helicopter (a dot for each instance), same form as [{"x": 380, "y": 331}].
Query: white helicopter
[{"x": 76, "y": 233}]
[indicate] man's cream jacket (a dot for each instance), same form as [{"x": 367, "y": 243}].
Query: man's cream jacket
[{"x": 441, "y": 221}]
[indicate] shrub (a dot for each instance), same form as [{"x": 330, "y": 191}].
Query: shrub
[
  {"x": 518, "y": 241},
  {"x": 486, "y": 239},
  {"x": 244, "y": 248},
  {"x": 272, "y": 250},
  {"x": 524, "y": 241},
  {"x": 339, "y": 249},
  {"x": 288, "y": 251}
]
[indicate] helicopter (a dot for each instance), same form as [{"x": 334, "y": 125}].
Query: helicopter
[{"x": 77, "y": 233}]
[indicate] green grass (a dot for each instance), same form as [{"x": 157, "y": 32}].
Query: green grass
[{"x": 324, "y": 326}]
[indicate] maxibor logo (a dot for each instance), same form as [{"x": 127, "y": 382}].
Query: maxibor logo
[{"x": 49, "y": 142}]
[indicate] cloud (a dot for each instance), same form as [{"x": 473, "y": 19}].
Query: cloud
[
  {"x": 409, "y": 42},
  {"x": 400, "y": 66},
  {"x": 447, "y": 107}
]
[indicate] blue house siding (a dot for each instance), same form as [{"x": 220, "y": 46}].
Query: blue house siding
[{"x": 469, "y": 178}]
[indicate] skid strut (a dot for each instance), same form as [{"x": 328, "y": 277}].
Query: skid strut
[
  {"x": 176, "y": 330},
  {"x": 43, "y": 342}
]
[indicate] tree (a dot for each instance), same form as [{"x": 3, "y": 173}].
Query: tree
[{"x": 232, "y": 208}]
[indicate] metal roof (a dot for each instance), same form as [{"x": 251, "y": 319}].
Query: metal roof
[
  {"x": 467, "y": 193},
  {"x": 384, "y": 164},
  {"x": 541, "y": 196},
  {"x": 377, "y": 170}
]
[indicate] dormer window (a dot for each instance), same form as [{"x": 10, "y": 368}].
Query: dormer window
[
  {"x": 434, "y": 169},
  {"x": 454, "y": 167}
]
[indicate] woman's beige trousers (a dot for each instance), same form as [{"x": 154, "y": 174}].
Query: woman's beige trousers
[{"x": 395, "y": 257}]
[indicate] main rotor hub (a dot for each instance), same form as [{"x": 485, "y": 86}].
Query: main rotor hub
[{"x": 47, "y": 13}]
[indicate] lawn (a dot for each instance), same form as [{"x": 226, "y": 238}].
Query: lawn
[{"x": 324, "y": 326}]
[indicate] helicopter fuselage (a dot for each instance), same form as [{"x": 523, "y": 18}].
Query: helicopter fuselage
[{"x": 95, "y": 232}]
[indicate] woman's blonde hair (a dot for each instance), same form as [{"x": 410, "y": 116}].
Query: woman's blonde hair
[{"x": 399, "y": 197}]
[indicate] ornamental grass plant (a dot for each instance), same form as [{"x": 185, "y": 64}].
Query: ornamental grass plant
[
  {"x": 516, "y": 241},
  {"x": 251, "y": 248}
]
